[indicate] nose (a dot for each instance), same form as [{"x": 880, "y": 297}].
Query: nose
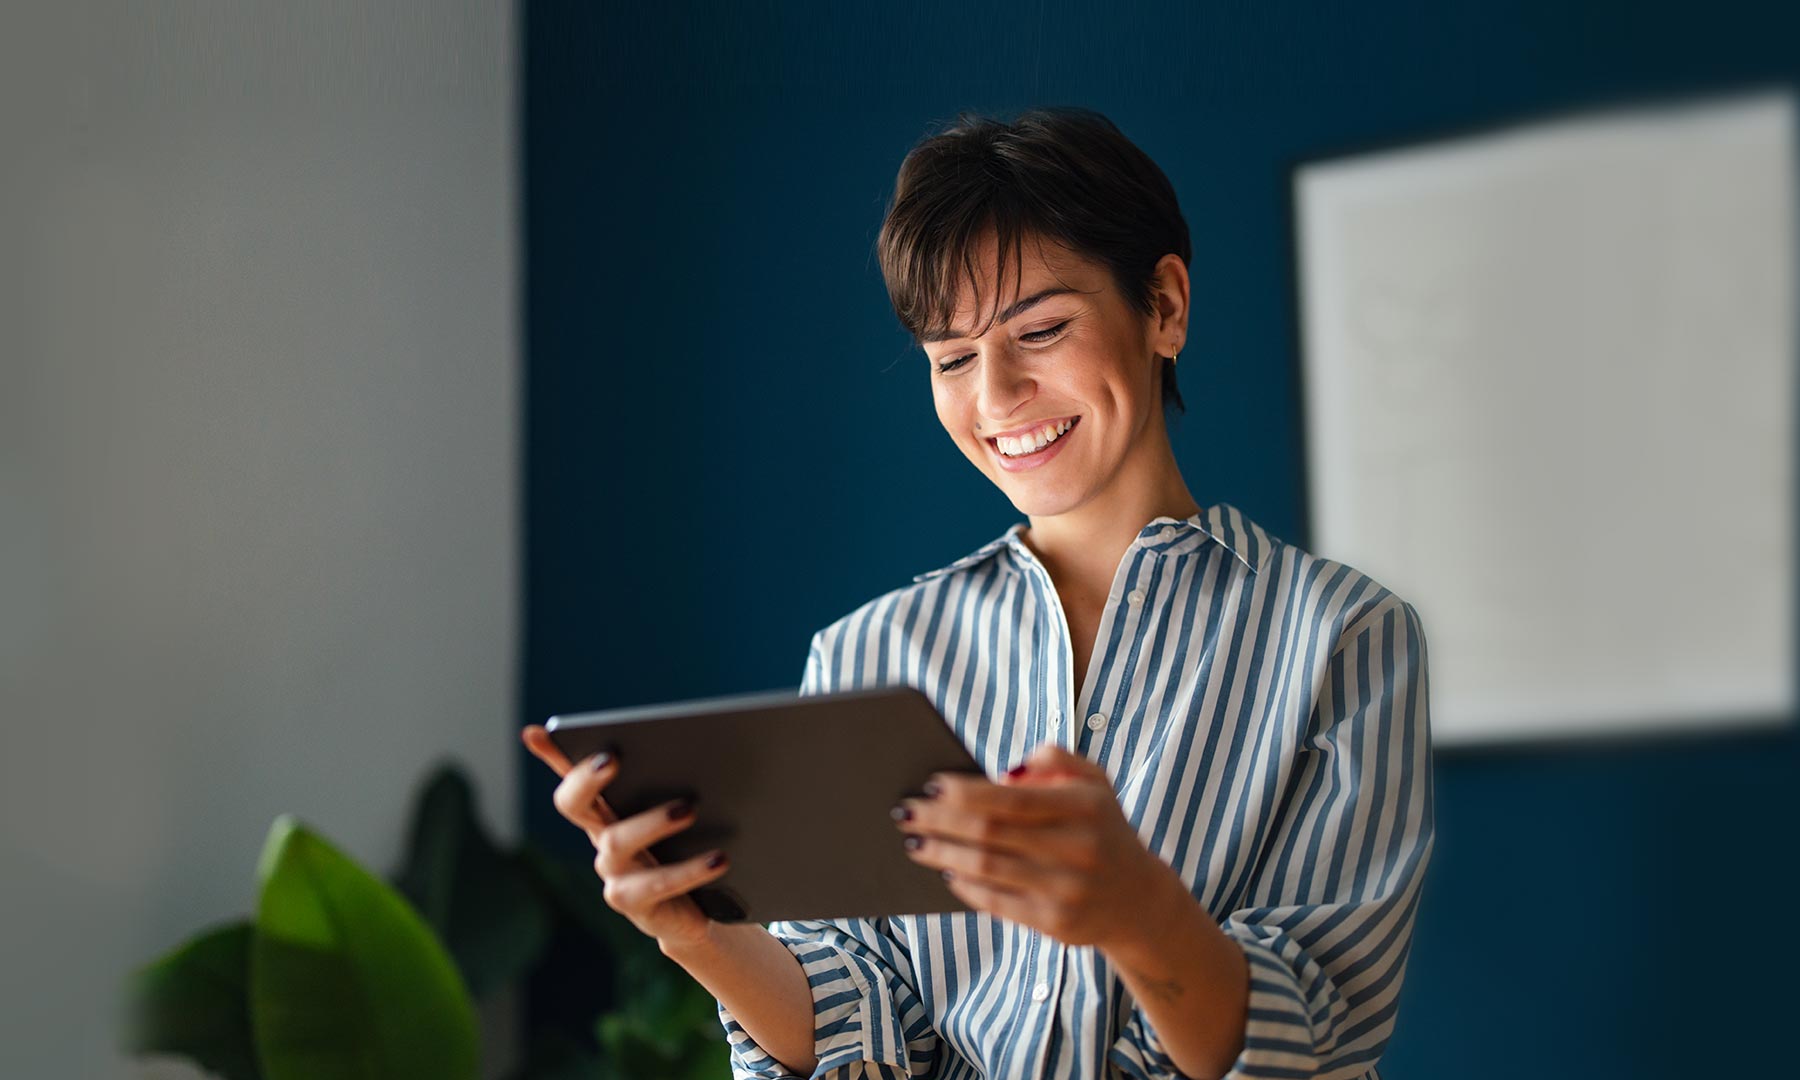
[{"x": 1004, "y": 386}]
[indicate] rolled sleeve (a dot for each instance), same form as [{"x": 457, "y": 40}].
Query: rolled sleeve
[
  {"x": 1325, "y": 972},
  {"x": 868, "y": 1021},
  {"x": 1139, "y": 1052}
]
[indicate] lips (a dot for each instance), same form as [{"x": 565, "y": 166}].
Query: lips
[
  {"x": 1038, "y": 458},
  {"x": 1049, "y": 421}
]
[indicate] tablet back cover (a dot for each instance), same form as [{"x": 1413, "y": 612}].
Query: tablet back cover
[{"x": 796, "y": 789}]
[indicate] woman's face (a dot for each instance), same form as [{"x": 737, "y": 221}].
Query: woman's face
[{"x": 1081, "y": 362}]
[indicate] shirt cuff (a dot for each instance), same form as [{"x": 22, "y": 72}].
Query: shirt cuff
[
  {"x": 1280, "y": 1031},
  {"x": 1139, "y": 1051},
  {"x": 856, "y": 1033}
]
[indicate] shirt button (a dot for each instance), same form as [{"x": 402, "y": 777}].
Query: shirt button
[
  {"x": 1167, "y": 534},
  {"x": 1136, "y": 596},
  {"x": 1040, "y": 992},
  {"x": 1096, "y": 721},
  {"x": 1055, "y": 717}
]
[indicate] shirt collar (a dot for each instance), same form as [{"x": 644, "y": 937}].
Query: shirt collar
[{"x": 1221, "y": 523}]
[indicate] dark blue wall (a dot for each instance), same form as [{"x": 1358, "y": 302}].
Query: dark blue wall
[{"x": 730, "y": 442}]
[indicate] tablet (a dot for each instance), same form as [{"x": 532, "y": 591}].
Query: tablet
[{"x": 796, "y": 789}]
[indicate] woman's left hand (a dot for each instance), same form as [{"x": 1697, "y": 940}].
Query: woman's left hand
[{"x": 1049, "y": 847}]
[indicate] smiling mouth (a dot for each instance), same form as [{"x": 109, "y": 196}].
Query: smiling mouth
[{"x": 1016, "y": 449}]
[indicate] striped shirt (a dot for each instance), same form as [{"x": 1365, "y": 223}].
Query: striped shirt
[{"x": 1262, "y": 713}]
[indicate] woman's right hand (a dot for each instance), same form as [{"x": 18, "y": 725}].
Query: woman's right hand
[{"x": 653, "y": 896}]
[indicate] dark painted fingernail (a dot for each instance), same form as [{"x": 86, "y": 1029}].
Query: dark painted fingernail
[
  {"x": 1016, "y": 771},
  {"x": 715, "y": 860},
  {"x": 681, "y": 808},
  {"x": 901, "y": 813},
  {"x": 933, "y": 789},
  {"x": 602, "y": 760},
  {"x": 913, "y": 843}
]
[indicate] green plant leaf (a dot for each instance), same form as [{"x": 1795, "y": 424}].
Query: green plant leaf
[
  {"x": 480, "y": 900},
  {"x": 346, "y": 980},
  {"x": 193, "y": 1002}
]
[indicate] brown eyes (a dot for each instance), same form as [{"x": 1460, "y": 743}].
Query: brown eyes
[{"x": 1039, "y": 336}]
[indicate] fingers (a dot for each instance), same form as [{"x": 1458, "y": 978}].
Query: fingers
[
  {"x": 1025, "y": 804},
  {"x": 1000, "y": 903},
  {"x": 994, "y": 868},
  {"x": 1054, "y": 846},
  {"x": 622, "y": 846},
  {"x": 577, "y": 797},
  {"x": 634, "y": 883},
  {"x": 643, "y": 889},
  {"x": 1044, "y": 820},
  {"x": 929, "y": 819},
  {"x": 537, "y": 740}
]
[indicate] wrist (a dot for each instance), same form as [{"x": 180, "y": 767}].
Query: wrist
[
  {"x": 682, "y": 950},
  {"x": 1161, "y": 904}
]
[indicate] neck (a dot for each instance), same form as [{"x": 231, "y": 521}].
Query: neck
[{"x": 1084, "y": 545}]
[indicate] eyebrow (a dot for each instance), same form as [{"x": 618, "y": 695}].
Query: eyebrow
[{"x": 1018, "y": 308}]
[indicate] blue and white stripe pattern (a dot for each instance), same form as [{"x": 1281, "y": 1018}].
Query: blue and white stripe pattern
[{"x": 1263, "y": 714}]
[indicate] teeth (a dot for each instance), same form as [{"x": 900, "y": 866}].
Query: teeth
[{"x": 1034, "y": 441}]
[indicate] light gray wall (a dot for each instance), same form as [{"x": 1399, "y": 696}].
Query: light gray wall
[{"x": 259, "y": 396}]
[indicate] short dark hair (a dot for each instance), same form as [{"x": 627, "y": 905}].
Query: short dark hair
[{"x": 1062, "y": 172}]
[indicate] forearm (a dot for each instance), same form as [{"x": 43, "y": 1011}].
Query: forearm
[
  {"x": 1189, "y": 978},
  {"x": 763, "y": 985}
]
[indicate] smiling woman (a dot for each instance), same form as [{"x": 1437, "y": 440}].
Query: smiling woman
[
  {"x": 1072, "y": 374},
  {"x": 1203, "y": 858}
]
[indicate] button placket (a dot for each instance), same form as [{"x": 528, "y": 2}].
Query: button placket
[
  {"x": 1136, "y": 611},
  {"x": 1049, "y": 971},
  {"x": 1096, "y": 660},
  {"x": 1054, "y": 720},
  {"x": 1051, "y": 974}
]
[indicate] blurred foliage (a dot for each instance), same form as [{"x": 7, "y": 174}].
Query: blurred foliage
[
  {"x": 195, "y": 1002},
  {"x": 345, "y": 978},
  {"x": 342, "y": 975}
]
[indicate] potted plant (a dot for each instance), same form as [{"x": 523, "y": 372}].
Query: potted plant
[{"x": 339, "y": 973}]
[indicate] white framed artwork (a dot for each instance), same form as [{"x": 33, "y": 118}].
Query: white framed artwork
[{"x": 1549, "y": 396}]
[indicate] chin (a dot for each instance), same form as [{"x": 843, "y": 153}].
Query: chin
[
  {"x": 1039, "y": 504},
  {"x": 1029, "y": 494}
]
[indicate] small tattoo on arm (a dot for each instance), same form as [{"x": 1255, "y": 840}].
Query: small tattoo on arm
[{"x": 1164, "y": 989}]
